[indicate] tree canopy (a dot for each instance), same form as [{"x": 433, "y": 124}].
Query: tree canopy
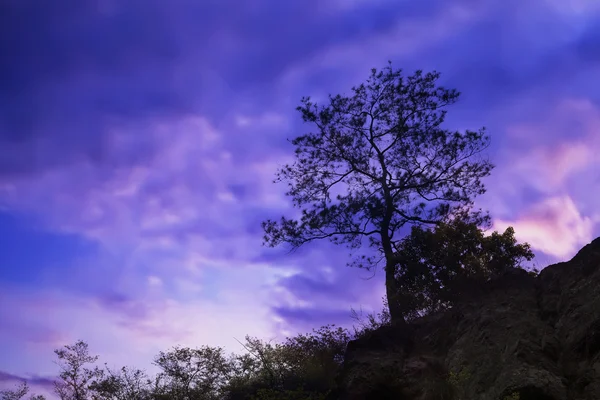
[
  {"x": 436, "y": 267},
  {"x": 377, "y": 161}
]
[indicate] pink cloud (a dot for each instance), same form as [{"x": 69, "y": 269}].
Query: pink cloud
[
  {"x": 554, "y": 226},
  {"x": 555, "y": 158},
  {"x": 571, "y": 145}
]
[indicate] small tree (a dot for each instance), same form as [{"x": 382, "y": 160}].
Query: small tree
[
  {"x": 74, "y": 374},
  {"x": 19, "y": 393},
  {"x": 124, "y": 384},
  {"x": 198, "y": 373},
  {"x": 15, "y": 394},
  {"x": 385, "y": 154},
  {"x": 302, "y": 367},
  {"x": 437, "y": 266},
  {"x": 315, "y": 358}
]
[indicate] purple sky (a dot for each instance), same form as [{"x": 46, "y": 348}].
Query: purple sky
[{"x": 139, "y": 140}]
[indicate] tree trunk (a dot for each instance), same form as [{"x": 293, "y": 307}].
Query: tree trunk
[{"x": 392, "y": 293}]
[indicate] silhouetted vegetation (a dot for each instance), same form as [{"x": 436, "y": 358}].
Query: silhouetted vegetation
[
  {"x": 437, "y": 267},
  {"x": 380, "y": 160},
  {"x": 302, "y": 367}
]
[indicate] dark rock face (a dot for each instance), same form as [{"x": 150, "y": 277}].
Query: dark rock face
[{"x": 535, "y": 336}]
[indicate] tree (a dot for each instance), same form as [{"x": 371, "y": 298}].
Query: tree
[
  {"x": 19, "y": 393},
  {"x": 438, "y": 266},
  {"x": 192, "y": 373},
  {"x": 15, "y": 394},
  {"x": 380, "y": 160},
  {"x": 303, "y": 367},
  {"x": 124, "y": 384},
  {"x": 75, "y": 376}
]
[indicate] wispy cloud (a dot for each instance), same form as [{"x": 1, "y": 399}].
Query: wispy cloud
[
  {"x": 555, "y": 226},
  {"x": 537, "y": 186}
]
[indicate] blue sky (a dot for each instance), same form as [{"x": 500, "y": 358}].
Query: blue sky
[{"x": 139, "y": 140}]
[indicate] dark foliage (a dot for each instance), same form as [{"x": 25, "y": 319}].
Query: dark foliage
[
  {"x": 438, "y": 266},
  {"x": 75, "y": 376},
  {"x": 19, "y": 393}
]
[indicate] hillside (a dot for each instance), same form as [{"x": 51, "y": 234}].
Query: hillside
[{"x": 519, "y": 337}]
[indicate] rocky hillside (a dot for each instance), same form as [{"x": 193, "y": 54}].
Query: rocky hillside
[{"x": 518, "y": 337}]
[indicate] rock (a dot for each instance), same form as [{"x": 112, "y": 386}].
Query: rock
[{"x": 535, "y": 336}]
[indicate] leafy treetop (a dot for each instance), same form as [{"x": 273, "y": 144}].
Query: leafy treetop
[{"x": 377, "y": 161}]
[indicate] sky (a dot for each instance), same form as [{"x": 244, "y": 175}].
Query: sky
[{"x": 139, "y": 140}]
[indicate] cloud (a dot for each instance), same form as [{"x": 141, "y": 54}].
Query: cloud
[
  {"x": 36, "y": 380},
  {"x": 405, "y": 37},
  {"x": 190, "y": 183},
  {"x": 173, "y": 248},
  {"x": 551, "y": 155},
  {"x": 89, "y": 66},
  {"x": 179, "y": 256},
  {"x": 508, "y": 54},
  {"x": 319, "y": 288},
  {"x": 554, "y": 226}
]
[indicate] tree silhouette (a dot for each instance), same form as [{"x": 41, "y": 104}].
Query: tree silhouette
[
  {"x": 380, "y": 160},
  {"x": 15, "y": 394},
  {"x": 189, "y": 373},
  {"x": 440, "y": 266},
  {"x": 74, "y": 374},
  {"x": 19, "y": 393},
  {"x": 123, "y": 384}
]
